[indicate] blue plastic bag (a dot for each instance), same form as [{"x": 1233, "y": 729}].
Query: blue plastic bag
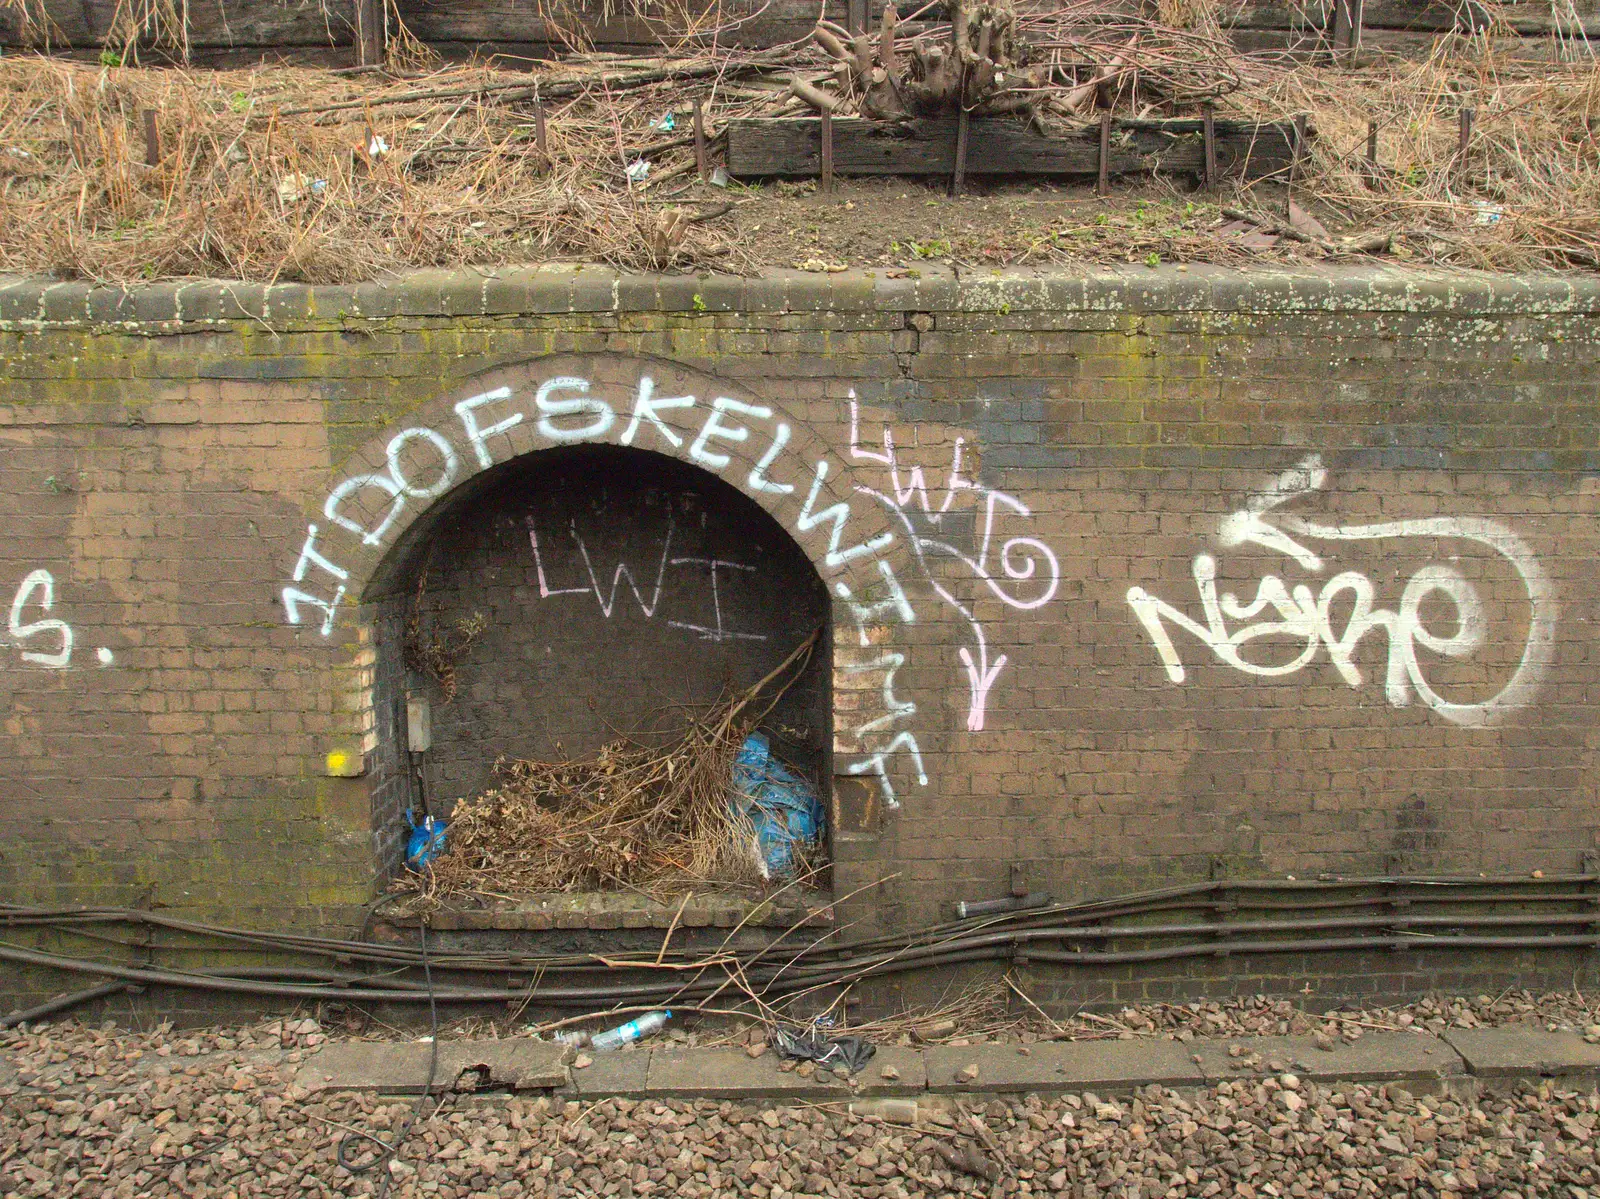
[
  {"x": 426, "y": 841},
  {"x": 782, "y": 805}
]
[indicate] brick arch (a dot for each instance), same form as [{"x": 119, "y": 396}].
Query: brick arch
[{"x": 380, "y": 498}]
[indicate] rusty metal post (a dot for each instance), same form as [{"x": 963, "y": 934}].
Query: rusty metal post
[
  {"x": 1347, "y": 18},
  {"x": 827, "y": 151},
  {"x": 700, "y": 139},
  {"x": 963, "y": 130},
  {"x": 1294, "y": 157},
  {"x": 152, "y": 139},
  {"x": 369, "y": 32},
  {"x": 1211, "y": 147},
  {"x": 1104, "y": 187}
]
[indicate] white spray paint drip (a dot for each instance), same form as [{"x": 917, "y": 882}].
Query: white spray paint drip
[
  {"x": 105, "y": 656},
  {"x": 1305, "y": 616}
]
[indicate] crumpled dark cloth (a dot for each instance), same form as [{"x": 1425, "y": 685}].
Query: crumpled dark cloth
[{"x": 853, "y": 1053}]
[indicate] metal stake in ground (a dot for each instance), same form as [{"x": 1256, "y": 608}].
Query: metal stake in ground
[
  {"x": 1104, "y": 187},
  {"x": 1346, "y": 29},
  {"x": 827, "y": 151},
  {"x": 369, "y": 33},
  {"x": 963, "y": 122},
  {"x": 700, "y": 139},
  {"x": 1211, "y": 147},
  {"x": 1294, "y": 159},
  {"x": 539, "y": 131},
  {"x": 152, "y": 139}
]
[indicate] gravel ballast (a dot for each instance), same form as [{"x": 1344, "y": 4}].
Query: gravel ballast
[{"x": 104, "y": 1111}]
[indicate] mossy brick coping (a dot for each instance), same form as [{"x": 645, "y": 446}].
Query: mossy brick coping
[{"x": 27, "y": 303}]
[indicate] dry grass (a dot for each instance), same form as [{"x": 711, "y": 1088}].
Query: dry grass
[
  {"x": 653, "y": 820},
  {"x": 248, "y": 188},
  {"x": 1526, "y": 191},
  {"x": 283, "y": 174}
]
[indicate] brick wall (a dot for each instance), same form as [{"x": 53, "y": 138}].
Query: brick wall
[{"x": 1134, "y": 577}]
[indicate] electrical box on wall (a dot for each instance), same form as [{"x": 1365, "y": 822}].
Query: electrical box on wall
[{"x": 419, "y": 724}]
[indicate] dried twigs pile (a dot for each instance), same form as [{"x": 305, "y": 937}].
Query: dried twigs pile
[
  {"x": 992, "y": 59},
  {"x": 630, "y": 816}
]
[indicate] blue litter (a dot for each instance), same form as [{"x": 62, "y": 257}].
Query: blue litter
[
  {"x": 782, "y": 805},
  {"x": 426, "y": 841}
]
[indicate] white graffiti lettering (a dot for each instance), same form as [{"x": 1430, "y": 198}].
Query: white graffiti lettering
[
  {"x": 622, "y": 572},
  {"x": 894, "y": 604},
  {"x": 757, "y": 478},
  {"x": 448, "y": 464},
  {"x": 1018, "y": 569},
  {"x": 293, "y": 597},
  {"x": 584, "y": 404},
  {"x": 716, "y": 428},
  {"x": 1020, "y": 558},
  {"x": 58, "y": 658},
  {"x": 336, "y": 497},
  {"x": 648, "y": 406},
  {"x": 477, "y": 435},
  {"x": 1307, "y": 619},
  {"x": 838, "y": 513},
  {"x": 716, "y": 631}
]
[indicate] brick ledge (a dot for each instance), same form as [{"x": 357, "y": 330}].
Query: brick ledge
[{"x": 31, "y": 303}]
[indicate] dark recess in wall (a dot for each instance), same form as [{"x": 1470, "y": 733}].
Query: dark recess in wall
[{"x": 615, "y": 593}]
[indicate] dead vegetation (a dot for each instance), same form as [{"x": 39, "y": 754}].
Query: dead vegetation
[
  {"x": 992, "y": 59},
  {"x": 121, "y": 175},
  {"x": 629, "y": 817},
  {"x": 1520, "y": 189},
  {"x": 432, "y": 650}
]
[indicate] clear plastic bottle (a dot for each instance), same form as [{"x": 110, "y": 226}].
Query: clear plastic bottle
[{"x": 633, "y": 1030}]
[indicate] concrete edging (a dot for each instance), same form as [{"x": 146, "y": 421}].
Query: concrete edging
[{"x": 1422, "y": 1062}]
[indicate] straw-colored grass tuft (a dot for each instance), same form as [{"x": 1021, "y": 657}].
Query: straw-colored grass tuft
[
  {"x": 246, "y": 187},
  {"x": 1523, "y": 193}
]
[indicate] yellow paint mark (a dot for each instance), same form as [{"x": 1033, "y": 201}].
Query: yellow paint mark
[{"x": 337, "y": 760}]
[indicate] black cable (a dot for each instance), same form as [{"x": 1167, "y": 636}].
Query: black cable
[
  {"x": 1205, "y": 919},
  {"x": 1230, "y": 894},
  {"x": 388, "y": 1149}
]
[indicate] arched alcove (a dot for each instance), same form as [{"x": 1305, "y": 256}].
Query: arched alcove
[{"x": 573, "y": 595}]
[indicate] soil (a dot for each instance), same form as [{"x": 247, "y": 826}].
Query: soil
[{"x": 901, "y": 223}]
